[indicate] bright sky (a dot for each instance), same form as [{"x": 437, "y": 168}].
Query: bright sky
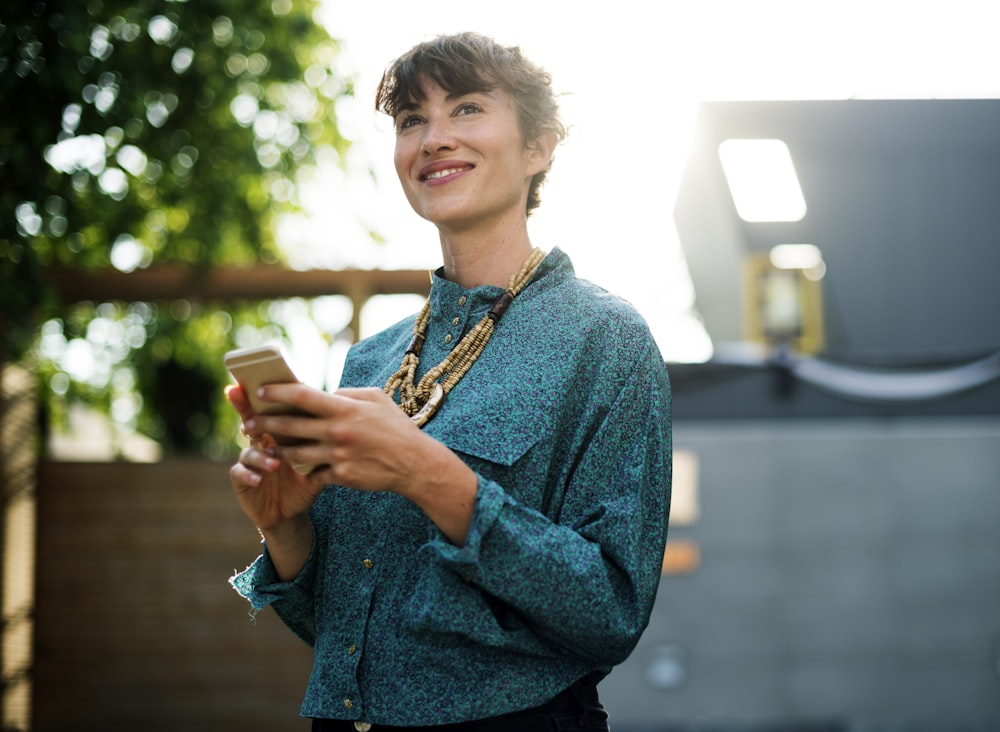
[{"x": 632, "y": 72}]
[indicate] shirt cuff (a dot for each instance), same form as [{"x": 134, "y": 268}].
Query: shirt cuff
[
  {"x": 490, "y": 501},
  {"x": 259, "y": 582}
]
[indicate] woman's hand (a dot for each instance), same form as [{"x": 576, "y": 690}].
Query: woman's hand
[
  {"x": 269, "y": 491},
  {"x": 272, "y": 494},
  {"x": 359, "y": 438}
]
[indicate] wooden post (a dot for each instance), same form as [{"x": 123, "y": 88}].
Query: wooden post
[{"x": 18, "y": 453}]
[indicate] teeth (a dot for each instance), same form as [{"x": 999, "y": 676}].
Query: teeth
[{"x": 441, "y": 173}]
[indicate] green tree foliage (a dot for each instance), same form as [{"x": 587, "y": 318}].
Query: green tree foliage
[{"x": 144, "y": 131}]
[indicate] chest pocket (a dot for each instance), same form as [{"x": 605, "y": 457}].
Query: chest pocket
[{"x": 491, "y": 428}]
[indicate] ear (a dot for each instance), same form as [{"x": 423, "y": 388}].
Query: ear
[{"x": 540, "y": 152}]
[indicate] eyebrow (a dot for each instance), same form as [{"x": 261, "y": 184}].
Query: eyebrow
[{"x": 413, "y": 104}]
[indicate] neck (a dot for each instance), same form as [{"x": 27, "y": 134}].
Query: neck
[{"x": 471, "y": 260}]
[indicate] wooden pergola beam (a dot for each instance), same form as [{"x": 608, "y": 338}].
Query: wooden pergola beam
[
  {"x": 171, "y": 282},
  {"x": 175, "y": 282}
]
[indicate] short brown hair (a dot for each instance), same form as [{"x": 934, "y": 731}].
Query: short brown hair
[{"x": 470, "y": 62}]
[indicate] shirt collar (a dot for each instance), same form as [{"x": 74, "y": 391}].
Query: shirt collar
[{"x": 446, "y": 295}]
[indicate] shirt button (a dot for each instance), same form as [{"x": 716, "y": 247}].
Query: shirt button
[
  {"x": 348, "y": 704},
  {"x": 368, "y": 563},
  {"x": 447, "y": 338},
  {"x": 455, "y": 321},
  {"x": 462, "y": 300},
  {"x": 352, "y": 650}
]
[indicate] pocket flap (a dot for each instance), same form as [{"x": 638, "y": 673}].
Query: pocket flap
[{"x": 488, "y": 423}]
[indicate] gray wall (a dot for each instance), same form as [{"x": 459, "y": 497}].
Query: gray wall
[{"x": 850, "y": 571}]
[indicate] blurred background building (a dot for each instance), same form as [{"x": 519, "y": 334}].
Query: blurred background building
[{"x": 846, "y": 433}]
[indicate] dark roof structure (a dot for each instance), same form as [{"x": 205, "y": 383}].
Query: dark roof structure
[{"x": 903, "y": 200}]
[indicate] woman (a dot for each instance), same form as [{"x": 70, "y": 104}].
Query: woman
[{"x": 483, "y": 539}]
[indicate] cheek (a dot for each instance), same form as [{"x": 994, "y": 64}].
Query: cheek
[{"x": 403, "y": 158}]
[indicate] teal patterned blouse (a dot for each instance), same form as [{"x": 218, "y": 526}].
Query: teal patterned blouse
[{"x": 565, "y": 418}]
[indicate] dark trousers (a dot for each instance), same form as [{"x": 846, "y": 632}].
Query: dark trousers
[{"x": 577, "y": 709}]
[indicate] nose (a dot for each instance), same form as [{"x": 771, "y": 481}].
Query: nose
[{"x": 437, "y": 137}]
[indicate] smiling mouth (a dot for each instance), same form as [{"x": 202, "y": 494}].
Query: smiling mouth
[{"x": 443, "y": 173}]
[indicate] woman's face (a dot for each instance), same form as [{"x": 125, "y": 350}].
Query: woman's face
[{"x": 462, "y": 160}]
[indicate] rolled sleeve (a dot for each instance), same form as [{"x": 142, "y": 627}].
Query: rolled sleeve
[
  {"x": 490, "y": 500},
  {"x": 602, "y": 545},
  {"x": 293, "y": 600}
]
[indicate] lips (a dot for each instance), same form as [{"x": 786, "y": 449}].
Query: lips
[
  {"x": 442, "y": 173},
  {"x": 443, "y": 169}
]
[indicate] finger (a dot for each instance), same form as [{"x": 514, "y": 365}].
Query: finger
[
  {"x": 250, "y": 434},
  {"x": 301, "y": 397},
  {"x": 285, "y": 426},
  {"x": 237, "y": 397},
  {"x": 259, "y": 460},
  {"x": 365, "y": 394},
  {"x": 298, "y": 455},
  {"x": 243, "y": 477}
]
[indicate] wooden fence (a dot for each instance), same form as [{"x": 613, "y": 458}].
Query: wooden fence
[{"x": 136, "y": 625}]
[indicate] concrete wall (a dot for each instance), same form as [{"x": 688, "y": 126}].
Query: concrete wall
[{"x": 850, "y": 571}]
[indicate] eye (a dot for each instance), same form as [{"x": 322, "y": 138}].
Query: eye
[
  {"x": 407, "y": 121},
  {"x": 468, "y": 108}
]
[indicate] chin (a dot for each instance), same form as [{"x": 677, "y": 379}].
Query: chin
[{"x": 448, "y": 218}]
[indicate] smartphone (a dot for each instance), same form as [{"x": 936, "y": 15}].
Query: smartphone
[{"x": 268, "y": 364}]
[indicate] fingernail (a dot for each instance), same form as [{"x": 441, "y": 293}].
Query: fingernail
[{"x": 250, "y": 424}]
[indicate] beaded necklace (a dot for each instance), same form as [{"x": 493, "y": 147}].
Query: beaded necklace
[{"x": 421, "y": 401}]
